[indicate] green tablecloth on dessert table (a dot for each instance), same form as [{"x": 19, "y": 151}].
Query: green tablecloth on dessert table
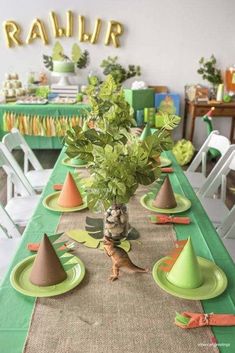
[
  {"x": 45, "y": 110},
  {"x": 16, "y": 309}
]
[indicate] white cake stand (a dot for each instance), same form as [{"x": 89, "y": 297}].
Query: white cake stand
[{"x": 64, "y": 78}]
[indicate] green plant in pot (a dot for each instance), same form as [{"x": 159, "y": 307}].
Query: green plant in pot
[
  {"x": 118, "y": 161},
  {"x": 210, "y": 73},
  {"x": 117, "y": 71}
]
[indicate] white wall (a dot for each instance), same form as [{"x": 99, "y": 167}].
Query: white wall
[{"x": 166, "y": 38}]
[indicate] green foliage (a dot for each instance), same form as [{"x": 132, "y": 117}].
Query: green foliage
[
  {"x": 108, "y": 105},
  {"x": 118, "y": 72},
  {"x": 118, "y": 161},
  {"x": 57, "y": 52},
  {"x": 48, "y": 62},
  {"x": 83, "y": 61},
  {"x": 42, "y": 91},
  {"x": 209, "y": 71},
  {"x": 76, "y": 53}
]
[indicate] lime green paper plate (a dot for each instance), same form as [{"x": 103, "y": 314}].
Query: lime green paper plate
[
  {"x": 165, "y": 162},
  {"x": 67, "y": 161},
  {"x": 20, "y": 279},
  {"x": 215, "y": 281},
  {"x": 50, "y": 202},
  {"x": 183, "y": 204}
]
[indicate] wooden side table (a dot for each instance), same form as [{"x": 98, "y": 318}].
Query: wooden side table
[{"x": 194, "y": 110}]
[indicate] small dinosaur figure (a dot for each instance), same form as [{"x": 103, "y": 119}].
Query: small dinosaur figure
[{"x": 119, "y": 258}]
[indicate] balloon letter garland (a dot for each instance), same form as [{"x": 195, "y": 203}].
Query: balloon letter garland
[
  {"x": 115, "y": 29},
  {"x": 37, "y": 30},
  {"x": 59, "y": 31},
  {"x": 12, "y": 32}
]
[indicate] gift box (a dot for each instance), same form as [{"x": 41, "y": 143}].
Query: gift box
[
  {"x": 139, "y": 117},
  {"x": 149, "y": 116},
  {"x": 168, "y": 103},
  {"x": 140, "y": 98}
]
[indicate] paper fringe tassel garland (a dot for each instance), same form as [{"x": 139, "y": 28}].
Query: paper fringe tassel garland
[{"x": 40, "y": 125}]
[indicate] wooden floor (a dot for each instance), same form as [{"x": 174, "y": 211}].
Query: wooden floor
[{"x": 49, "y": 157}]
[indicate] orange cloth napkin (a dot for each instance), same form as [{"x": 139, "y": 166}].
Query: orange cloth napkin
[
  {"x": 199, "y": 319},
  {"x": 167, "y": 170},
  {"x": 162, "y": 219}
]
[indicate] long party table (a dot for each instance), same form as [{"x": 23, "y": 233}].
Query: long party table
[
  {"x": 43, "y": 126},
  {"x": 132, "y": 314}
]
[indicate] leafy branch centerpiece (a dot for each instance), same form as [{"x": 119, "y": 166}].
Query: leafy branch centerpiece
[{"x": 118, "y": 161}]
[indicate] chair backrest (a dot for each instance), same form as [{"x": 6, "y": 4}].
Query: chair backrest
[
  {"x": 7, "y": 227},
  {"x": 225, "y": 165},
  {"x": 214, "y": 140},
  {"x": 14, "y": 140},
  {"x": 16, "y": 180},
  {"x": 216, "y": 171},
  {"x": 226, "y": 228}
]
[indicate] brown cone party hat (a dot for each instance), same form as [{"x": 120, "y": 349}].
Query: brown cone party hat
[
  {"x": 70, "y": 196},
  {"x": 47, "y": 269},
  {"x": 165, "y": 197}
]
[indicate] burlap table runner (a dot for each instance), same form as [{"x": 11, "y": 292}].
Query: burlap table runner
[{"x": 131, "y": 315}]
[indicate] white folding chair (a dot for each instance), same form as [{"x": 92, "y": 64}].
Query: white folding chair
[
  {"x": 216, "y": 207},
  {"x": 214, "y": 140},
  {"x": 38, "y": 177},
  {"x": 20, "y": 208},
  {"x": 10, "y": 238},
  {"x": 227, "y": 232}
]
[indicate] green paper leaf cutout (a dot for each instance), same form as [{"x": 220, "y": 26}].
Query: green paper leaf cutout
[
  {"x": 95, "y": 227},
  {"x": 65, "y": 259},
  {"x": 67, "y": 267},
  {"x": 83, "y": 60},
  {"x": 54, "y": 237},
  {"x": 76, "y": 53},
  {"x": 82, "y": 236},
  {"x": 48, "y": 62},
  {"x": 57, "y": 51},
  {"x": 61, "y": 252},
  {"x": 58, "y": 245},
  {"x": 133, "y": 234},
  {"x": 125, "y": 245}
]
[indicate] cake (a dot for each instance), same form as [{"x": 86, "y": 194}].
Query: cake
[{"x": 63, "y": 66}]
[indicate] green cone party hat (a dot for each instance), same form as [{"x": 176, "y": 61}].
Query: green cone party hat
[
  {"x": 186, "y": 272},
  {"x": 146, "y": 132}
]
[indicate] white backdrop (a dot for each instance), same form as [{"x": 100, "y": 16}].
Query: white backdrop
[{"x": 166, "y": 38}]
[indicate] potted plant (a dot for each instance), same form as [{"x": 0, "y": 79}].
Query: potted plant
[
  {"x": 117, "y": 71},
  {"x": 211, "y": 73},
  {"x": 118, "y": 161}
]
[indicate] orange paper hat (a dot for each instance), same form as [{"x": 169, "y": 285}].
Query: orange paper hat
[
  {"x": 47, "y": 269},
  {"x": 165, "y": 197},
  {"x": 70, "y": 196}
]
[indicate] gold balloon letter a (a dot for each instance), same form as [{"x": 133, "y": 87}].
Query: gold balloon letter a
[
  {"x": 115, "y": 29},
  {"x": 59, "y": 31},
  {"x": 37, "y": 30},
  {"x": 12, "y": 33}
]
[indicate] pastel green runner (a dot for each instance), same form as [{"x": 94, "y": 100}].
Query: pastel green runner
[{"x": 16, "y": 309}]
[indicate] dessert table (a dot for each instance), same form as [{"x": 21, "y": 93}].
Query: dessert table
[
  {"x": 130, "y": 315},
  {"x": 43, "y": 126}
]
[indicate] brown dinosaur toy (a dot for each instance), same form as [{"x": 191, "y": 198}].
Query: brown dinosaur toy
[{"x": 119, "y": 258}]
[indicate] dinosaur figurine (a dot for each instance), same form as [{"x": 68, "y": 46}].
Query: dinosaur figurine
[{"x": 119, "y": 258}]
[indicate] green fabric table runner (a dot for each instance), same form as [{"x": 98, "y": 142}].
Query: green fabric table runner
[{"x": 16, "y": 309}]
